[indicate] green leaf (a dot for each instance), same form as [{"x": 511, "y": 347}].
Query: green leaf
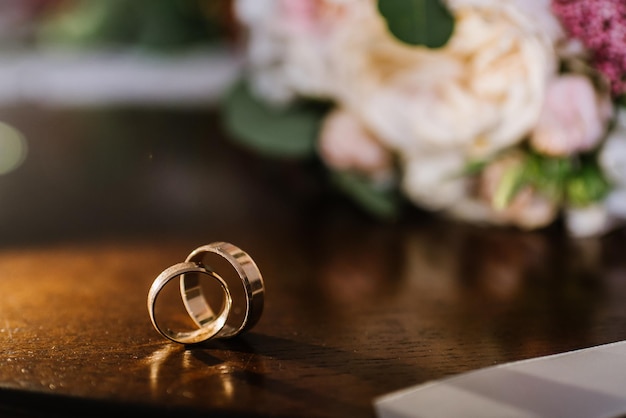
[
  {"x": 586, "y": 186},
  {"x": 547, "y": 175},
  {"x": 380, "y": 201},
  {"x": 474, "y": 167},
  {"x": 154, "y": 25},
  {"x": 418, "y": 22},
  {"x": 277, "y": 132},
  {"x": 576, "y": 180},
  {"x": 510, "y": 184}
]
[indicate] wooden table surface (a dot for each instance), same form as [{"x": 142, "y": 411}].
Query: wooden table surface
[{"x": 355, "y": 307}]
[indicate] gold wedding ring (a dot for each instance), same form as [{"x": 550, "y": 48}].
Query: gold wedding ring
[
  {"x": 250, "y": 276},
  {"x": 210, "y": 324}
]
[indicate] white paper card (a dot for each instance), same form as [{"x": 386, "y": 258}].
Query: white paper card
[{"x": 588, "y": 383}]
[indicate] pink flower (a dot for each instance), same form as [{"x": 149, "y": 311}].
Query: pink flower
[
  {"x": 573, "y": 118},
  {"x": 601, "y": 26},
  {"x": 527, "y": 209},
  {"x": 345, "y": 144},
  {"x": 311, "y": 16}
]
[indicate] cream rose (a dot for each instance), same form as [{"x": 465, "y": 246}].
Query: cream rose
[
  {"x": 435, "y": 179},
  {"x": 439, "y": 109},
  {"x": 480, "y": 93}
]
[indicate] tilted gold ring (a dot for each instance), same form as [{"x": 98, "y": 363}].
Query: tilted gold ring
[{"x": 211, "y": 325}]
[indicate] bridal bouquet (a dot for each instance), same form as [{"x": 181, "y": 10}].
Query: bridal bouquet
[{"x": 508, "y": 112}]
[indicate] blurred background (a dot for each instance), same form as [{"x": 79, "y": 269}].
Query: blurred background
[
  {"x": 110, "y": 131},
  {"x": 86, "y": 52},
  {"x": 110, "y": 127},
  {"x": 107, "y": 118}
]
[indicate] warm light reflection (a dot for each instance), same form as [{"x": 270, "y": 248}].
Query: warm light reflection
[
  {"x": 525, "y": 293},
  {"x": 155, "y": 361},
  {"x": 12, "y": 148},
  {"x": 179, "y": 371}
]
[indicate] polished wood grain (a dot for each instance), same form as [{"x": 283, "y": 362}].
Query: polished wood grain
[{"x": 355, "y": 307}]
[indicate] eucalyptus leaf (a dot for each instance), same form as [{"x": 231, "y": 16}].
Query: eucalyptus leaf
[
  {"x": 380, "y": 201},
  {"x": 418, "y": 22},
  {"x": 289, "y": 131}
]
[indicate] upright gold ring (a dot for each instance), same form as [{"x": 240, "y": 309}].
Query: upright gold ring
[
  {"x": 211, "y": 324},
  {"x": 250, "y": 276}
]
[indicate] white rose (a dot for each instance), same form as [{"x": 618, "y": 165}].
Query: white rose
[
  {"x": 434, "y": 180},
  {"x": 597, "y": 219},
  {"x": 264, "y": 49},
  {"x": 615, "y": 203},
  {"x": 588, "y": 221},
  {"x": 612, "y": 159},
  {"x": 612, "y": 156},
  {"x": 289, "y": 43}
]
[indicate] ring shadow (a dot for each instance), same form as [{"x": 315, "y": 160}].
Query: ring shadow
[{"x": 256, "y": 350}]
